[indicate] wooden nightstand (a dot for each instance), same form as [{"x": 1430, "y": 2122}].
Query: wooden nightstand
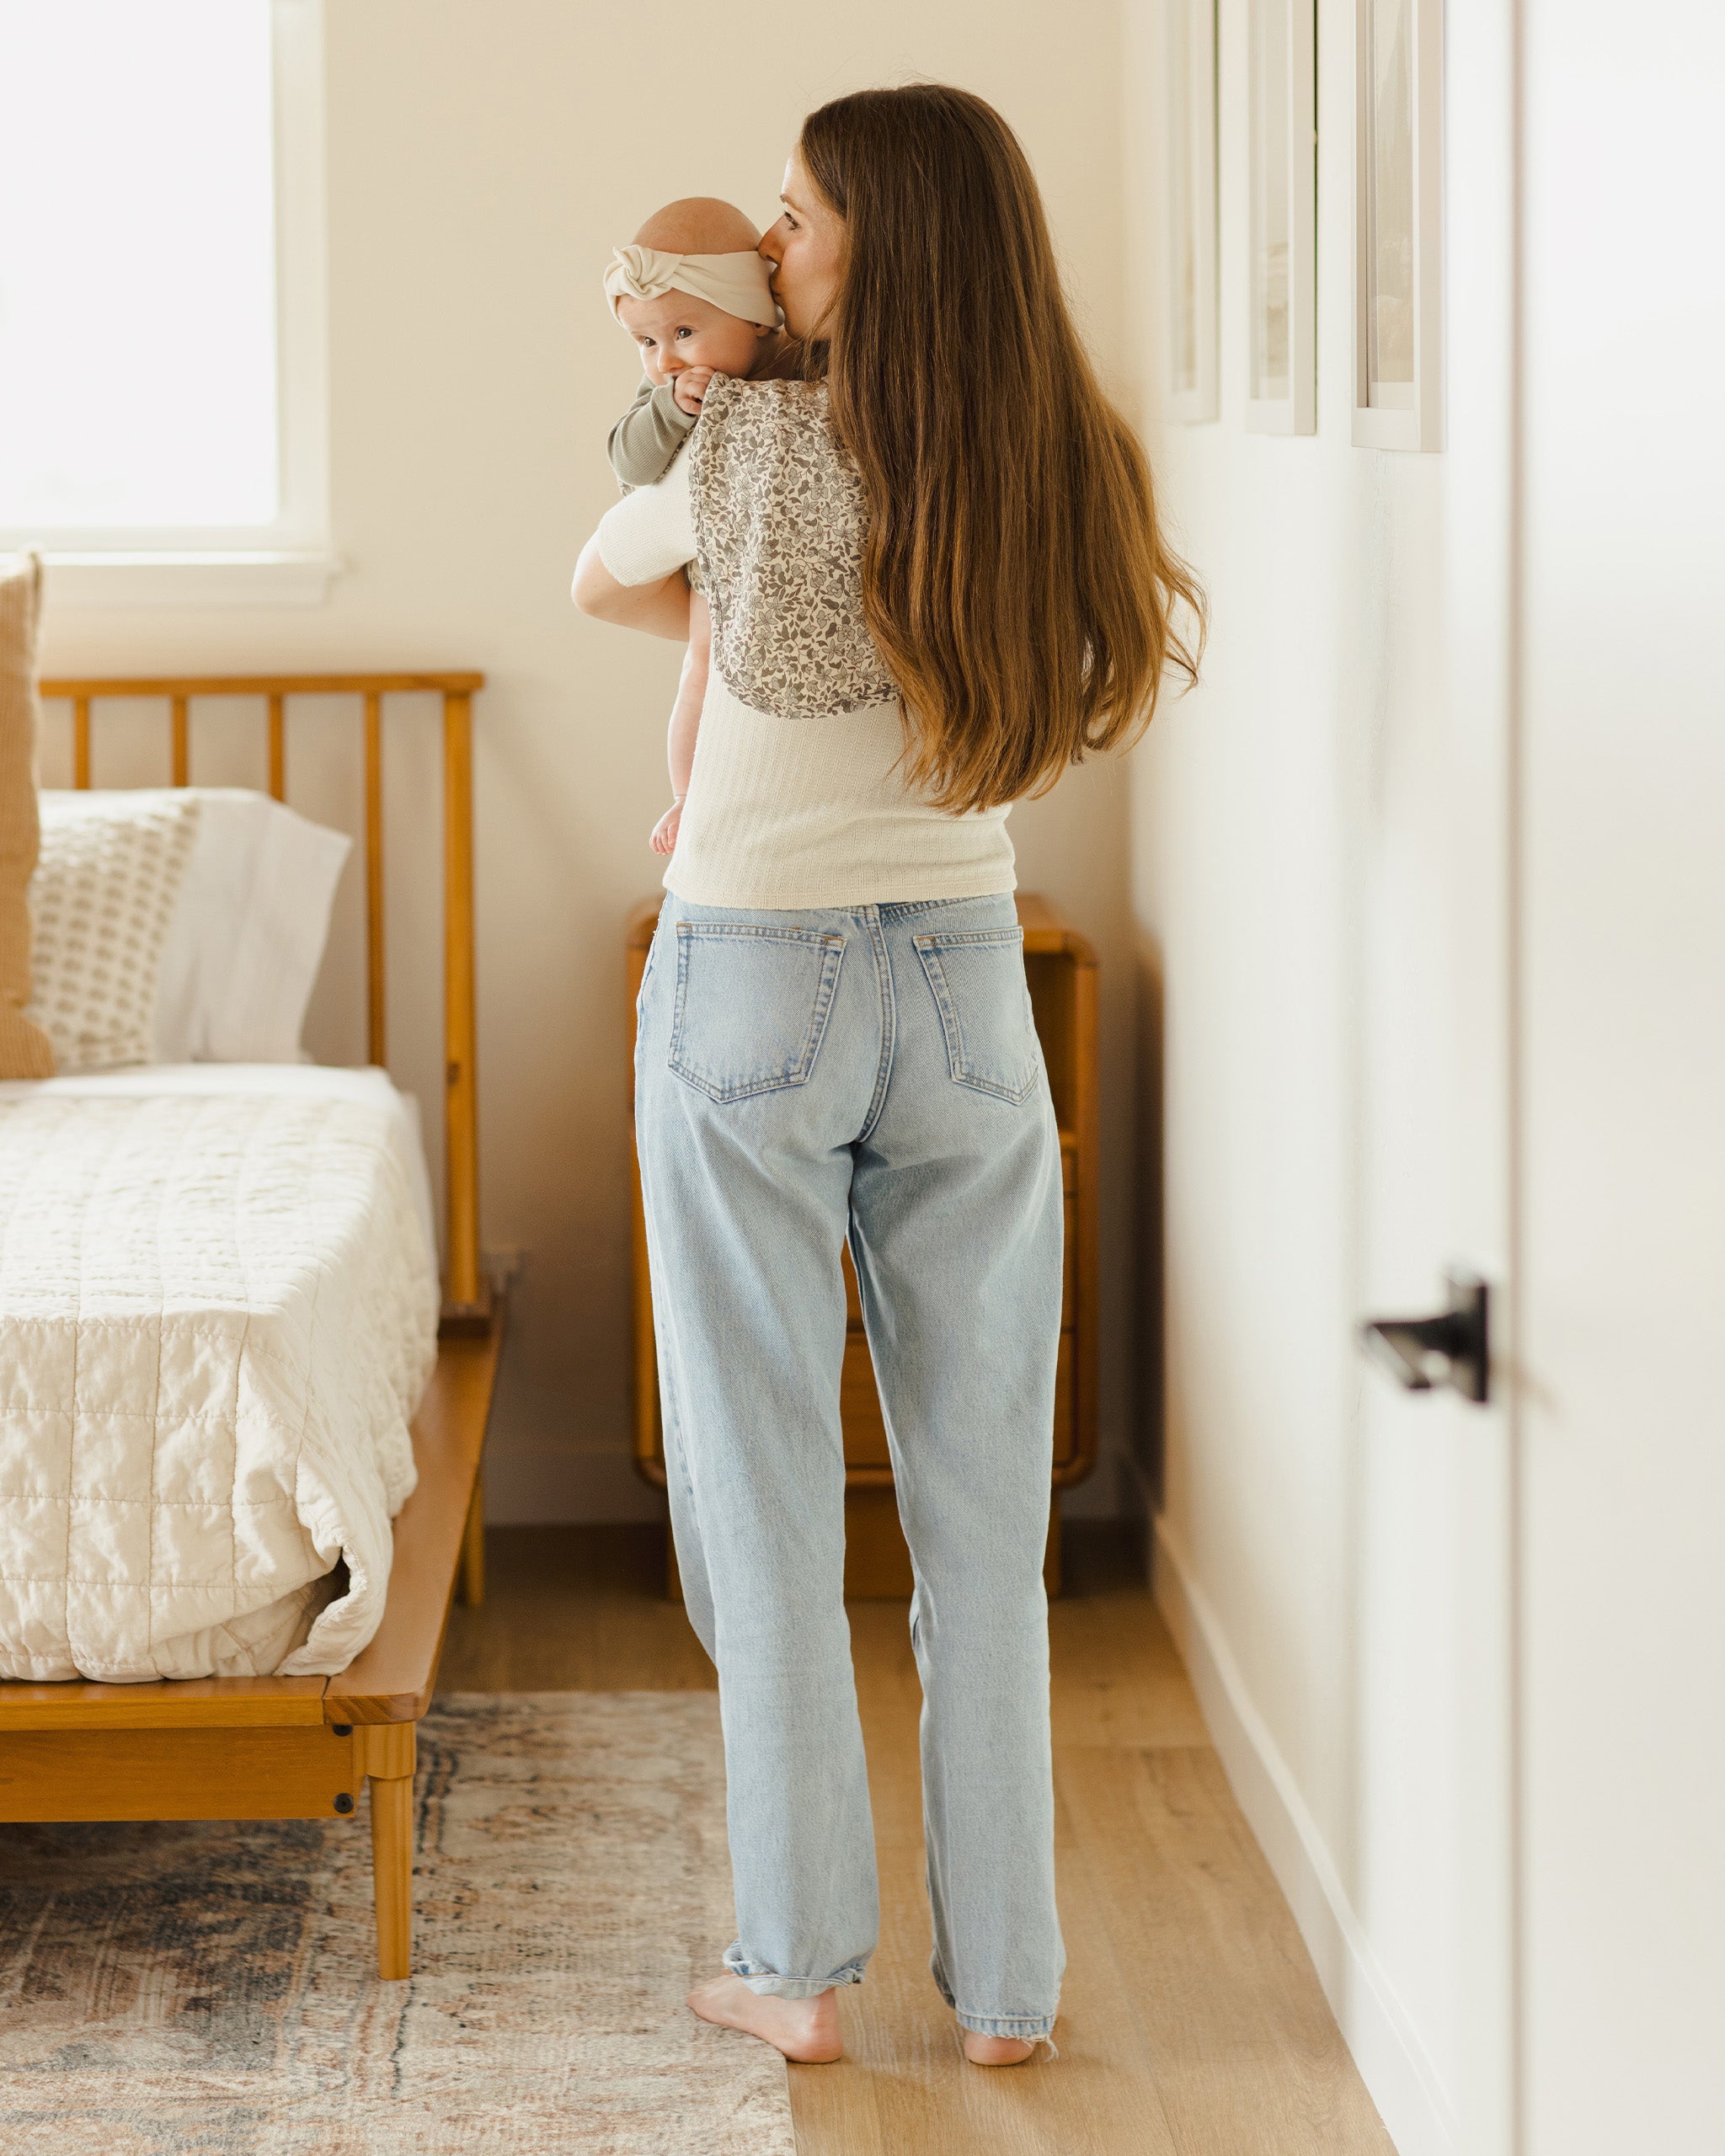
[{"x": 1061, "y": 967}]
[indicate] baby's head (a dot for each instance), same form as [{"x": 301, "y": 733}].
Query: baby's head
[{"x": 681, "y": 288}]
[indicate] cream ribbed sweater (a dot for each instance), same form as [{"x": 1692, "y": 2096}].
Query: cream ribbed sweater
[{"x": 797, "y": 813}]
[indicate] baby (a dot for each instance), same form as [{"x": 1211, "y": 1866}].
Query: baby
[{"x": 696, "y": 298}]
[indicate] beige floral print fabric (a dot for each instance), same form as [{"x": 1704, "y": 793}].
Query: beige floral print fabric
[
  {"x": 104, "y": 894},
  {"x": 779, "y": 520},
  {"x": 24, "y": 1050}
]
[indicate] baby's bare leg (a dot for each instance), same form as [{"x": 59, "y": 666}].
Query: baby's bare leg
[
  {"x": 691, "y": 694},
  {"x": 685, "y": 721}
]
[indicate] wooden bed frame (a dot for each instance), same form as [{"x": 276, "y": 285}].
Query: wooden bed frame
[{"x": 299, "y": 1747}]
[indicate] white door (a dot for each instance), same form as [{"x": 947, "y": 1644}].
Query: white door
[
  {"x": 1621, "y": 1182},
  {"x": 1542, "y": 1096},
  {"x": 1434, "y": 1166}
]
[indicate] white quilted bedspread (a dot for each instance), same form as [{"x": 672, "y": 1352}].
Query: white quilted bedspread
[{"x": 218, "y": 1313}]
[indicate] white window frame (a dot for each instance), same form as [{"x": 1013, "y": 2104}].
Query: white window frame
[
  {"x": 1296, "y": 414},
  {"x": 1198, "y": 94},
  {"x": 1420, "y": 425},
  {"x": 289, "y": 561}
]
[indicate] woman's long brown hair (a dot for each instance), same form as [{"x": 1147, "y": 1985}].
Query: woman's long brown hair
[{"x": 1014, "y": 576}]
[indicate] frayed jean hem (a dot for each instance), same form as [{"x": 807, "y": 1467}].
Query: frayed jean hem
[
  {"x": 767, "y": 1985},
  {"x": 1029, "y": 2028}
]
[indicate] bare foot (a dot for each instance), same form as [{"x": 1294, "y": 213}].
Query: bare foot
[
  {"x": 995, "y": 2050},
  {"x": 805, "y": 2029}
]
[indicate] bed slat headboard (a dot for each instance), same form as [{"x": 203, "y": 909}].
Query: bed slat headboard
[{"x": 467, "y": 1295}]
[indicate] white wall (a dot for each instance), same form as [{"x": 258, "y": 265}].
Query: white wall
[
  {"x": 1289, "y": 889},
  {"x": 482, "y": 163},
  {"x": 1239, "y": 858}
]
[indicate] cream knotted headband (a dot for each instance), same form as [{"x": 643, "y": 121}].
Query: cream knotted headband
[{"x": 739, "y": 283}]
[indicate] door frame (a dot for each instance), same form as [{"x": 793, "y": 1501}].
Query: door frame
[{"x": 1482, "y": 371}]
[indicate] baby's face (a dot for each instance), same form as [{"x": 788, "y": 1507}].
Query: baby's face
[{"x": 676, "y": 330}]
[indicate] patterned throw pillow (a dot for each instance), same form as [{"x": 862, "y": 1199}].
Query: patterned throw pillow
[{"x": 102, "y": 900}]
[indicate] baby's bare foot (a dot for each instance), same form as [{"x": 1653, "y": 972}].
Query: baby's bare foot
[
  {"x": 995, "y": 2050},
  {"x": 805, "y": 2029}
]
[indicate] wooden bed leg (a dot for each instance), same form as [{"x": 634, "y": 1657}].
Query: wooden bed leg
[
  {"x": 472, "y": 1571},
  {"x": 386, "y": 1751},
  {"x": 392, "y": 1871}
]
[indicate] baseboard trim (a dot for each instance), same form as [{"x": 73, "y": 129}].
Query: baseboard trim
[{"x": 1375, "y": 2025}]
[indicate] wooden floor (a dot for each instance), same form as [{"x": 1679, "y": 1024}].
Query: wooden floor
[{"x": 1191, "y": 2022}]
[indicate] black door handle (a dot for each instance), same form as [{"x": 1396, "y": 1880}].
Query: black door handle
[{"x": 1453, "y": 1348}]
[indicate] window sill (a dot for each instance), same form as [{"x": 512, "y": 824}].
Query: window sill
[{"x": 218, "y": 578}]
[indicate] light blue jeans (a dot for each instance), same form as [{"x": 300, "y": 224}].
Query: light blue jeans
[{"x": 872, "y": 1072}]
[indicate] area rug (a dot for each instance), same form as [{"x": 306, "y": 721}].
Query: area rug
[{"x": 210, "y": 1990}]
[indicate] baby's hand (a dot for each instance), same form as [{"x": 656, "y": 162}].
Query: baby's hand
[
  {"x": 665, "y": 832},
  {"x": 690, "y": 386}
]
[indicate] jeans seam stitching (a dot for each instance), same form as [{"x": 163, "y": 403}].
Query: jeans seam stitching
[
  {"x": 935, "y": 975},
  {"x": 959, "y": 938},
  {"x": 888, "y": 1030},
  {"x": 902, "y": 909},
  {"x": 687, "y": 930}
]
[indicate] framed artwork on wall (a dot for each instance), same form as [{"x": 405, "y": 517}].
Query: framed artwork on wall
[
  {"x": 1191, "y": 27},
  {"x": 1398, "y": 278},
  {"x": 1281, "y": 391}
]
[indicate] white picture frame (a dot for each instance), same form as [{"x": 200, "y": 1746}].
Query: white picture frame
[
  {"x": 1398, "y": 273},
  {"x": 1193, "y": 389},
  {"x": 1281, "y": 270}
]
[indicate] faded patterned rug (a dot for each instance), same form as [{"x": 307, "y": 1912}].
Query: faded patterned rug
[{"x": 197, "y": 1989}]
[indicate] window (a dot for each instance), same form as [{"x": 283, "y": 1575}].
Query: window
[
  {"x": 162, "y": 363},
  {"x": 1398, "y": 293},
  {"x": 1191, "y": 55},
  {"x": 1281, "y": 193}
]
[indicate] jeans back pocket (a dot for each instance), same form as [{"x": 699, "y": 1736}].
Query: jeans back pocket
[
  {"x": 981, "y": 992},
  {"x": 752, "y": 1005}
]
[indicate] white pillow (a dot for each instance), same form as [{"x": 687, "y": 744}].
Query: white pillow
[
  {"x": 249, "y": 936},
  {"x": 103, "y": 901},
  {"x": 245, "y": 934}
]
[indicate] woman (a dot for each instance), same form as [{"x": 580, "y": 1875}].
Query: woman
[{"x": 936, "y": 580}]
